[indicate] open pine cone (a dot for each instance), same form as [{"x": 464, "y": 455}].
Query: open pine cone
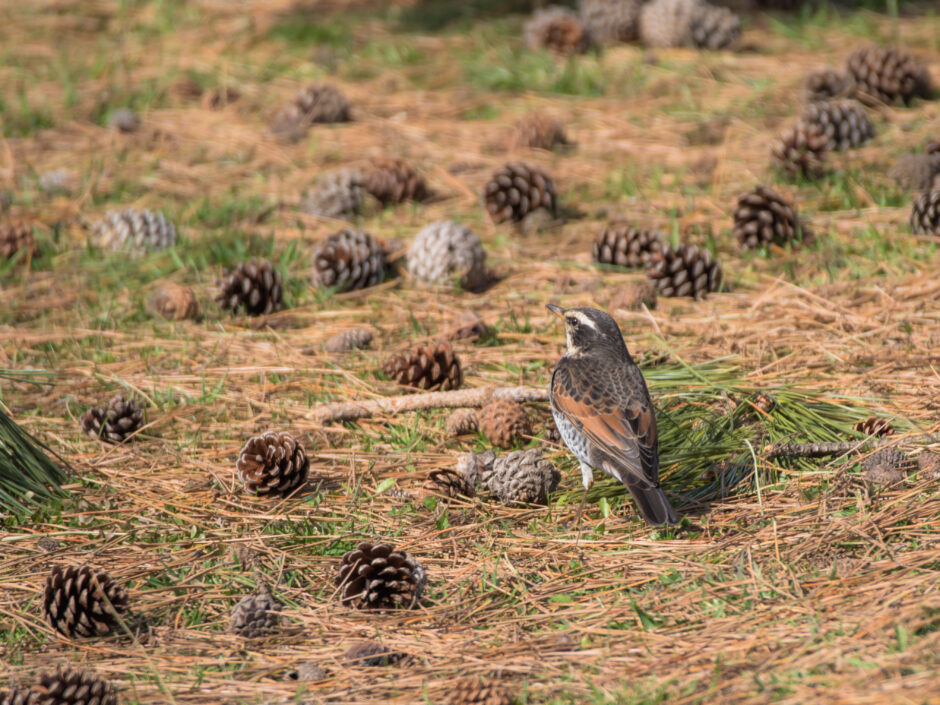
[
  {"x": 115, "y": 422},
  {"x": 315, "y": 103},
  {"x": 611, "y": 21},
  {"x": 67, "y": 686},
  {"x": 447, "y": 249},
  {"x": 685, "y": 271},
  {"x": 255, "y": 287},
  {"x": 273, "y": 465},
  {"x": 624, "y": 245},
  {"x": 503, "y": 422},
  {"x": 347, "y": 340},
  {"x": 434, "y": 366},
  {"x": 524, "y": 477},
  {"x": 79, "y": 601},
  {"x": 395, "y": 181},
  {"x": 557, "y": 29},
  {"x": 917, "y": 172},
  {"x": 256, "y": 616},
  {"x": 174, "y": 302},
  {"x": 375, "y": 576},
  {"x": 875, "y": 426},
  {"x": 449, "y": 483},
  {"x": 763, "y": 216},
  {"x": 687, "y": 23},
  {"x": 925, "y": 213},
  {"x": 888, "y": 75},
  {"x": 516, "y": 190},
  {"x": 801, "y": 150},
  {"x": 462, "y": 422},
  {"x": 347, "y": 260},
  {"x": 14, "y": 237},
  {"x": 844, "y": 122},
  {"x": 133, "y": 231},
  {"x": 538, "y": 131},
  {"x": 474, "y": 691},
  {"x": 338, "y": 194},
  {"x": 827, "y": 84}
]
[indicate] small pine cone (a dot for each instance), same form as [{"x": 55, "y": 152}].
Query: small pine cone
[
  {"x": 76, "y": 601},
  {"x": 347, "y": 340},
  {"x": 19, "y": 696},
  {"x": 827, "y": 84},
  {"x": 537, "y": 131},
  {"x": 272, "y": 465},
  {"x": 434, "y": 366},
  {"x": 634, "y": 296},
  {"x": 524, "y": 477},
  {"x": 516, "y": 190},
  {"x": 124, "y": 120},
  {"x": 338, "y": 194},
  {"x": 255, "y": 286},
  {"x": 611, "y": 21},
  {"x": 551, "y": 435},
  {"x": 557, "y": 29},
  {"x": 925, "y": 213},
  {"x": 626, "y": 246},
  {"x": 844, "y": 122},
  {"x": 503, "y": 422},
  {"x": 174, "y": 302},
  {"x": 875, "y": 426},
  {"x": 887, "y": 466},
  {"x": 763, "y": 216},
  {"x": 687, "y": 23},
  {"x": 801, "y": 150},
  {"x": 395, "y": 181},
  {"x": 469, "y": 327},
  {"x": 114, "y": 423},
  {"x": 447, "y": 249},
  {"x": 315, "y": 103},
  {"x": 473, "y": 691},
  {"x": 714, "y": 28},
  {"x": 134, "y": 231},
  {"x": 374, "y": 576},
  {"x": 449, "y": 483},
  {"x": 347, "y": 260},
  {"x": 685, "y": 271},
  {"x": 68, "y": 686},
  {"x": 917, "y": 172},
  {"x": 477, "y": 468},
  {"x": 370, "y": 653},
  {"x": 888, "y": 75},
  {"x": 461, "y": 422},
  {"x": 15, "y": 237},
  {"x": 256, "y": 616}
]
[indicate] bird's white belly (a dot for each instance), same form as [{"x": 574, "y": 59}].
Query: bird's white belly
[{"x": 573, "y": 438}]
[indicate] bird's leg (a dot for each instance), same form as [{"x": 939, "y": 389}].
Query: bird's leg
[{"x": 587, "y": 479}]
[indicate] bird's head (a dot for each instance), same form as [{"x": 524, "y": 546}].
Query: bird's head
[{"x": 589, "y": 330}]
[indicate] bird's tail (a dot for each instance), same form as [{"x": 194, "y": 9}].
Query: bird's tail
[{"x": 653, "y": 505}]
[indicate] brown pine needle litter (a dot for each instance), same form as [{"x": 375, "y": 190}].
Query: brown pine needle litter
[{"x": 793, "y": 578}]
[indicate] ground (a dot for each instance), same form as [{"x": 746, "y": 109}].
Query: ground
[{"x": 789, "y": 580}]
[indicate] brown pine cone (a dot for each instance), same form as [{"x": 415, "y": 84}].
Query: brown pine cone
[
  {"x": 256, "y": 616},
  {"x": 925, "y": 213},
  {"x": 888, "y": 75},
  {"x": 19, "y": 696},
  {"x": 827, "y": 84},
  {"x": 844, "y": 122},
  {"x": 557, "y": 29},
  {"x": 434, "y": 366},
  {"x": 503, "y": 422},
  {"x": 932, "y": 147},
  {"x": 174, "y": 302},
  {"x": 713, "y": 28},
  {"x": 538, "y": 131},
  {"x": 611, "y": 21},
  {"x": 801, "y": 150},
  {"x": 370, "y": 653},
  {"x": 874, "y": 426},
  {"x": 516, "y": 190},
  {"x": 133, "y": 230},
  {"x": 338, "y": 194},
  {"x": 917, "y": 172},
  {"x": 626, "y": 246},
  {"x": 395, "y": 181},
  {"x": 375, "y": 576},
  {"x": 15, "y": 237},
  {"x": 255, "y": 287},
  {"x": 685, "y": 271},
  {"x": 473, "y": 691},
  {"x": 348, "y": 260},
  {"x": 115, "y": 422},
  {"x": 79, "y": 601},
  {"x": 523, "y": 477},
  {"x": 477, "y": 468},
  {"x": 68, "y": 686},
  {"x": 763, "y": 216},
  {"x": 551, "y": 435},
  {"x": 315, "y": 103},
  {"x": 273, "y": 465},
  {"x": 462, "y": 421},
  {"x": 351, "y": 339},
  {"x": 449, "y": 483}
]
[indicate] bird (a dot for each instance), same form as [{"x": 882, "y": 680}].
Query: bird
[{"x": 604, "y": 413}]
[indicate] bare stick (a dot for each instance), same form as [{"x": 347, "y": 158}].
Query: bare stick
[
  {"x": 353, "y": 410},
  {"x": 821, "y": 450}
]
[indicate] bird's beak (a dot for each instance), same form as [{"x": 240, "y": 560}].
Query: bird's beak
[{"x": 557, "y": 310}]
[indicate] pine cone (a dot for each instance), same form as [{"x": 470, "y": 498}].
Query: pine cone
[
  {"x": 827, "y": 84},
  {"x": 801, "y": 150},
  {"x": 887, "y": 466},
  {"x": 174, "y": 302},
  {"x": 444, "y": 249},
  {"x": 503, "y": 422},
  {"x": 338, "y": 194},
  {"x": 426, "y": 367},
  {"x": 68, "y": 686},
  {"x": 370, "y": 653},
  {"x": 134, "y": 231},
  {"x": 462, "y": 421},
  {"x": 347, "y": 260},
  {"x": 19, "y": 696},
  {"x": 626, "y": 246},
  {"x": 551, "y": 435},
  {"x": 124, "y": 120},
  {"x": 763, "y": 216},
  {"x": 256, "y": 616},
  {"x": 516, "y": 190},
  {"x": 307, "y": 671},
  {"x": 925, "y": 213},
  {"x": 917, "y": 172},
  {"x": 685, "y": 271},
  {"x": 75, "y": 601},
  {"x": 273, "y": 465},
  {"x": 557, "y": 29},
  {"x": 537, "y": 131},
  {"x": 888, "y": 75},
  {"x": 114, "y": 423},
  {"x": 15, "y": 237},
  {"x": 473, "y": 691},
  {"x": 687, "y": 23},
  {"x": 477, "y": 468},
  {"x": 874, "y": 426},
  {"x": 395, "y": 181},
  {"x": 449, "y": 483},
  {"x": 524, "y": 477},
  {"x": 611, "y": 21},
  {"x": 316, "y": 103},
  {"x": 932, "y": 147},
  {"x": 844, "y": 122},
  {"x": 350, "y": 339},
  {"x": 374, "y": 576},
  {"x": 634, "y": 296},
  {"x": 255, "y": 286},
  {"x": 714, "y": 28}
]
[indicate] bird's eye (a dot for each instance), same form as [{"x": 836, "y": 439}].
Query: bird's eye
[{"x": 573, "y": 322}]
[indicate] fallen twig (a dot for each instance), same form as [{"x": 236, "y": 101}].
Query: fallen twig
[{"x": 820, "y": 450}]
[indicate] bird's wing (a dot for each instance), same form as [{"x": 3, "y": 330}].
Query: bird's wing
[{"x": 617, "y": 420}]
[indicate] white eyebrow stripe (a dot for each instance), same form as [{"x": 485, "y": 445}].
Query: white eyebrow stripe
[{"x": 583, "y": 319}]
